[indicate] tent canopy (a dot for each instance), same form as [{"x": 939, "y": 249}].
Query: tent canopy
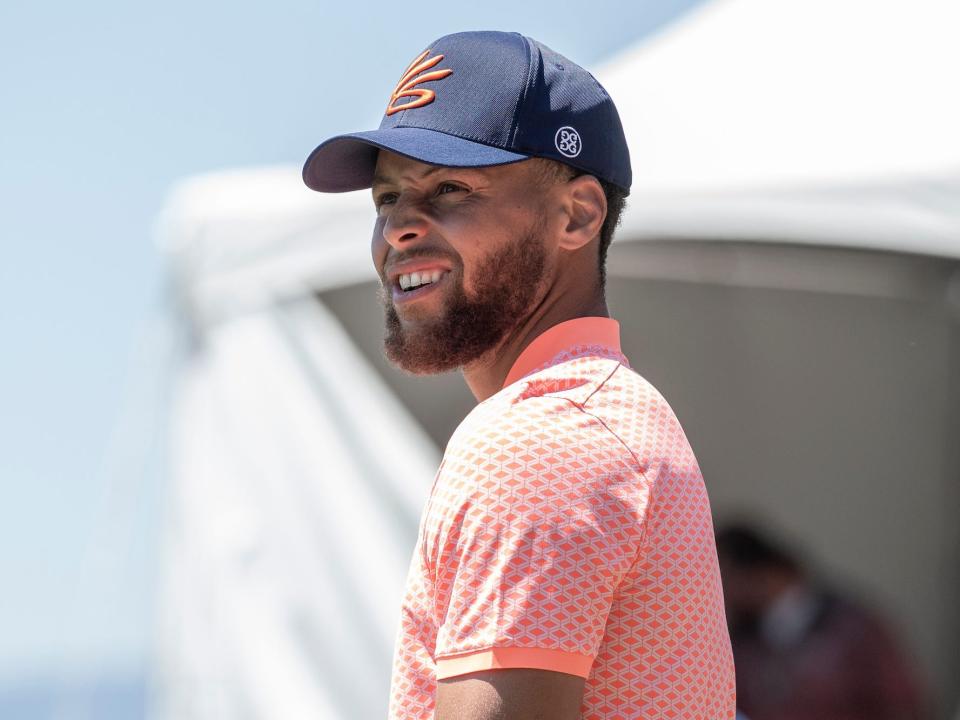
[{"x": 817, "y": 122}]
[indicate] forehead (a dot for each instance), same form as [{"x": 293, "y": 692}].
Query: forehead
[{"x": 392, "y": 167}]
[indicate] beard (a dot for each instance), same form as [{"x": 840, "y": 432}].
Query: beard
[{"x": 507, "y": 282}]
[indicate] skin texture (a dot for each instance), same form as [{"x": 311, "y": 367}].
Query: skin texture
[
  {"x": 520, "y": 245},
  {"x": 521, "y": 249},
  {"x": 514, "y": 694}
]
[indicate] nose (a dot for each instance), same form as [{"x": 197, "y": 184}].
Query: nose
[{"x": 404, "y": 223}]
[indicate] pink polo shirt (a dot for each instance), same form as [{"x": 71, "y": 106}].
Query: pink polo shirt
[{"x": 569, "y": 529}]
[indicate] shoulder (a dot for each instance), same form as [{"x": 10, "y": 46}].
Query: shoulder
[{"x": 549, "y": 419}]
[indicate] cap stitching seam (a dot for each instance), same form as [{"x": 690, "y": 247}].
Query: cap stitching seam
[{"x": 521, "y": 98}]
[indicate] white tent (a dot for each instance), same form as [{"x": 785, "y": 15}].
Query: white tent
[{"x": 786, "y": 273}]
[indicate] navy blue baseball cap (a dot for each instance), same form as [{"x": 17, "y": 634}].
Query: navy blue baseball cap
[{"x": 476, "y": 99}]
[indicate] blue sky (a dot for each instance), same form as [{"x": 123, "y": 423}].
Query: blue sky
[{"x": 103, "y": 105}]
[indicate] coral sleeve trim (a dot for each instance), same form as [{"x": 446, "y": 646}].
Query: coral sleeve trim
[{"x": 513, "y": 657}]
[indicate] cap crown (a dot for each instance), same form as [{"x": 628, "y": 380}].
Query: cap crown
[{"x": 511, "y": 92}]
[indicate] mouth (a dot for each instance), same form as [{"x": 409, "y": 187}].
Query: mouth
[{"x": 413, "y": 286}]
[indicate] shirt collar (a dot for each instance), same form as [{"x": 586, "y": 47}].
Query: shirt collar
[{"x": 585, "y": 331}]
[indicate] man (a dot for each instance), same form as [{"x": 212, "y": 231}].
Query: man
[
  {"x": 803, "y": 650},
  {"x": 565, "y": 565}
]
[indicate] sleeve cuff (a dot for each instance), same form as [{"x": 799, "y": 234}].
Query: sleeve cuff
[{"x": 513, "y": 657}]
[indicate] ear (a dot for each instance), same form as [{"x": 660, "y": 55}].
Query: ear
[{"x": 586, "y": 208}]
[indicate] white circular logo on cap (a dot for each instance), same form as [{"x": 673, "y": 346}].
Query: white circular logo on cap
[{"x": 568, "y": 142}]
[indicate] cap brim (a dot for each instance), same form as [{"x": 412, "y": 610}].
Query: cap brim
[{"x": 346, "y": 162}]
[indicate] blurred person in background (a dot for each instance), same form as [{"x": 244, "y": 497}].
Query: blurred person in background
[{"x": 804, "y": 651}]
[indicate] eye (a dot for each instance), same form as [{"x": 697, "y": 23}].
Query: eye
[
  {"x": 449, "y": 187},
  {"x": 386, "y": 198}
]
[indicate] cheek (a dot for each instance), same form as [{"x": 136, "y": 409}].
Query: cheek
[
  {"x": 378, "y": 247},
  {"x": 474, "y": 237},
  {"x": 472, "y": 266}
]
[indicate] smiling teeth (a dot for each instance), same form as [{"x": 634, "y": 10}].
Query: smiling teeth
[{"x": 416, "y": 279}]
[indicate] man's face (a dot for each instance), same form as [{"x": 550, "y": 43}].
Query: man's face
[{"x": 476, "y": 237}]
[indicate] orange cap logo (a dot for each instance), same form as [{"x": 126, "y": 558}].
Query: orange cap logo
[{"x": 407, "y": 87}]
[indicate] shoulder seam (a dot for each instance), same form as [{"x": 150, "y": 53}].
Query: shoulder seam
[
  {"x": 653, "y": 487},
  {"x": 600, "y": 385},
  {"x": 633, "y": 455},
  {"x": 581, "y": 406},
  {"x": 619, "y": 439}
]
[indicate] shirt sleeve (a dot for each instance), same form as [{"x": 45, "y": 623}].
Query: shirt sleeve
[{"x": 536, "y": 547}]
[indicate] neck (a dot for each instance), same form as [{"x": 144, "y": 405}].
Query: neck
[{"x": 486, "y": 376}]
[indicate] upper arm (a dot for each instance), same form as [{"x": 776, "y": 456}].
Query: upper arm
[
  {"x": 527, "y": 565},
  {"x": 510, "y": 694}
]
